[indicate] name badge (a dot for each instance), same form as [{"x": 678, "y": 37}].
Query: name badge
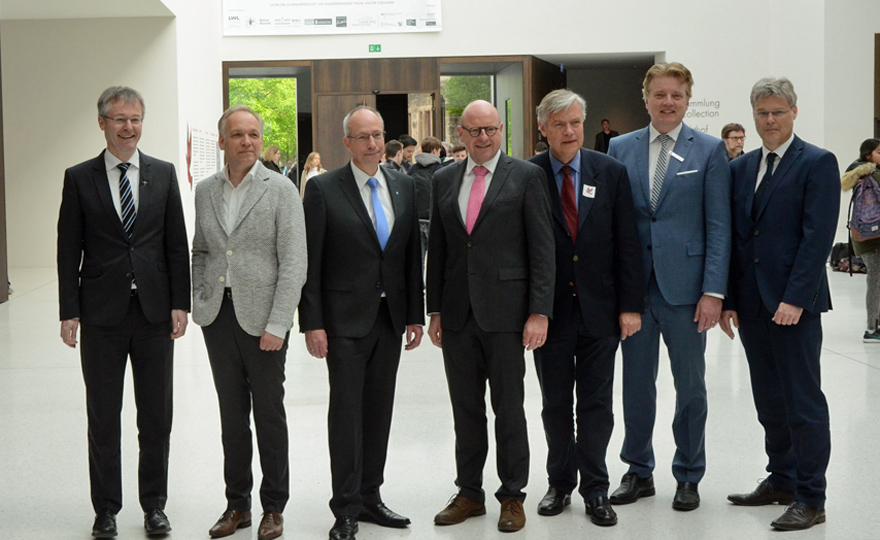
[
  {"x": 676, "y": 156},
  {"x": 589, "y": 191}
]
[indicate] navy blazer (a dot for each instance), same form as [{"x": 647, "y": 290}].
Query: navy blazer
[
  {"x": 606, "y": 261},
  {"x": 348, "y": 270},
  {"x": 504, "y": 269},
  {"x": 781, "y": 256},
  {"x": 96, "y": 259},
  {"x": 686, "y": 240}
]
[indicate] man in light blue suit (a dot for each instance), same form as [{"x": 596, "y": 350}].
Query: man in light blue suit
[{"x": 681, "y": 192}]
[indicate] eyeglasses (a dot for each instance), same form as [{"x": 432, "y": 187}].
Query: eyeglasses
[
  {"x": 737, "y": 138},
  {"x": 475, "y": 132},
  {"x": 763, "y": 115},
  {"x": 122, "y": 121},
  {"x": 376, "y": 135}
]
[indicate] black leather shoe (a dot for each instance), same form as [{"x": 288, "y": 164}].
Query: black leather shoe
[
  {"x": 554, "y": 502},
  {"x": 105, "y": 524},
  {"x": 799, "y": 516},
  {"x": 383, "y": 516},
  {"x": 344, "y": 529},
  {"x": 633, "y": 488},
  {"x": 765, "y": 493},
  {"x": 686, "y": 497},
  {"x": 600, "y": 512},
  {"x": 156, "y": 522}
]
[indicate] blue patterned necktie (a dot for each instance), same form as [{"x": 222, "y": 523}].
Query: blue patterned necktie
[
  {"x": 381, "y": 220},
  {"x": 765, "y": 183},
  {"x": 126, "y": 199},
  {"x": 660, "y": 171}
]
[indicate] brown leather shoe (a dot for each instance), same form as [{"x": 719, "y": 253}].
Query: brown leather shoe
[
  {"x": 513, "y": 518},
  {"x": 271, "y": 526},
  {"x": 229, "y": 522},
  {"x": 459, "y": 509}
]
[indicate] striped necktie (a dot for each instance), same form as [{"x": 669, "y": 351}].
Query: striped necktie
[
  {"x": 126, "y": 199},
  {"x": 660, "y": 171}
]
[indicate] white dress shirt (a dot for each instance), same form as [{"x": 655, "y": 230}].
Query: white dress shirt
[
  {"x": 232, "y": 198},
  {"x": 468, "y": 181},
  {"x": 780, "y": 151},
  {"x": 114, "y": 175},
  {"x": 360, "y": 178},
  {"x": 654, "y": 148}
]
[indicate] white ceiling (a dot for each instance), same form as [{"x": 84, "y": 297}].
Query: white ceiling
[{"x": 81, "y": 9}]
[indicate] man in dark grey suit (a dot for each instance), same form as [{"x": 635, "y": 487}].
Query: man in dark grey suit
[
  {"x": 490, "y": 290},
  {"x": 364, "y": 290},
  {"x": 123, "y": 274},
  {"x": 249, "y": 265}
]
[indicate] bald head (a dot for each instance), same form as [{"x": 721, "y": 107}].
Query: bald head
[{"x": 480, "y": 115}]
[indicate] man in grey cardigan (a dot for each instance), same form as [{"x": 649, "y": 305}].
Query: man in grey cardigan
[{"x": 249, "y": 265}]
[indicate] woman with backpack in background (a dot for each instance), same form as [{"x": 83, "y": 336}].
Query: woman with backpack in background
[{"x": 865, "y": 174}]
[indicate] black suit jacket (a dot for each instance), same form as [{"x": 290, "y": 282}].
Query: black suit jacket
[
  {"x": 606, "y": 262},
  {"x": 781, "y": 256},
  {"x": 601, "y": 145},
  {"x": 348, "y": 270},
  {"x": 96, "y": 259},
  {"x": 504, "y": 269}
]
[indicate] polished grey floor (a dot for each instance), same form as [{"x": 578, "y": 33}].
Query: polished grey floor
[{"x": 44, "y": 469}]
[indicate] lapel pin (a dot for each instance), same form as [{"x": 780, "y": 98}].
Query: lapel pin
[{"x": 589, "y": 191}]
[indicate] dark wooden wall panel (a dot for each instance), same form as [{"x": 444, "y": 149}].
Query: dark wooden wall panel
[
  {"x": 329, "y": 112},
  {"x": 385, "y": 75}
]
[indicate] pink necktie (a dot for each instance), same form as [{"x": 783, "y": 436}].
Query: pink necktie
[{"x": 475, "y": 200}]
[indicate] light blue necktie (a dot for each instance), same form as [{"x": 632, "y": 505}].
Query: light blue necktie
[{"x": 381, "y": 221}]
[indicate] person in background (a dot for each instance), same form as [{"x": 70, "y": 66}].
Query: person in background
[
  {"x": 393, "y": 155},
  {"x": 869, "y": 250},
  {"x": 734, "y": 137},
  {"x": 603, "y": 138},
  {"x": 311, "y": 169},
  {"x": 541, "y": 147},
  {"x": 269, "y": 158},
  {"x": 409, "y": 149},
  {"x": 459, "y": 152},
  {"x": 427, "y": 162}
]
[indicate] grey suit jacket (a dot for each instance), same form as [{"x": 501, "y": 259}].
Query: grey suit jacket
[{"x": 265, "y": 254}]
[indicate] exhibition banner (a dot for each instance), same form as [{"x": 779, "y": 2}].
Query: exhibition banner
[{"x": 313, "y": 17}]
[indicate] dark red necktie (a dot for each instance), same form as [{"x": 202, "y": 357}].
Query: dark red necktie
[{"x": 569, "y": 204}]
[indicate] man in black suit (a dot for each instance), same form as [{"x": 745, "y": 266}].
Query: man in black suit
[
  {"x": 363, "y": 291},
  {"x": 603, "y": 138},
  {"x": 786, "y": 199},
  {"x": 123, "y": 275},
  {"x": 490, "y": 279},
  {"x": 598, "y": 301}
]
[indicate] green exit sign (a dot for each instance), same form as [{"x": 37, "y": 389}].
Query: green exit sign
[{"x": 376, "y": 48}]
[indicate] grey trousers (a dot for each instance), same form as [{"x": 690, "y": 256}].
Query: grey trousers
[{"x": 872, "y": 298}]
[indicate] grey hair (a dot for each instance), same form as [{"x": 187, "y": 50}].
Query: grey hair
[
  {"x": 345, "y": 127},
  {"x": 558, "y": 101},
  {"x": 123, "y": 93},
  {"x": 221, "y": 124},
  {"x": 771, "y": 86}
]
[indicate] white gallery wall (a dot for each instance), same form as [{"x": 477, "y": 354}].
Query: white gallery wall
[{"x": 54, "y": 70}]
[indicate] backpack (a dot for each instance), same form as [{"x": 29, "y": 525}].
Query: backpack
[{"x": 864, "y": 210}]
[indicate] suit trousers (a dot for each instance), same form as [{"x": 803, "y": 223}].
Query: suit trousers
[
  {"x": 577, "y": 364},
  {"x": 104, "y": 352},
  {"x": 786, "y": 386},
  {"x": 244, "y": 375},
  {"x": 363, "y": 375},
  {"x": 471, "y": 357},
  {"x": 687, "y": 360}
]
